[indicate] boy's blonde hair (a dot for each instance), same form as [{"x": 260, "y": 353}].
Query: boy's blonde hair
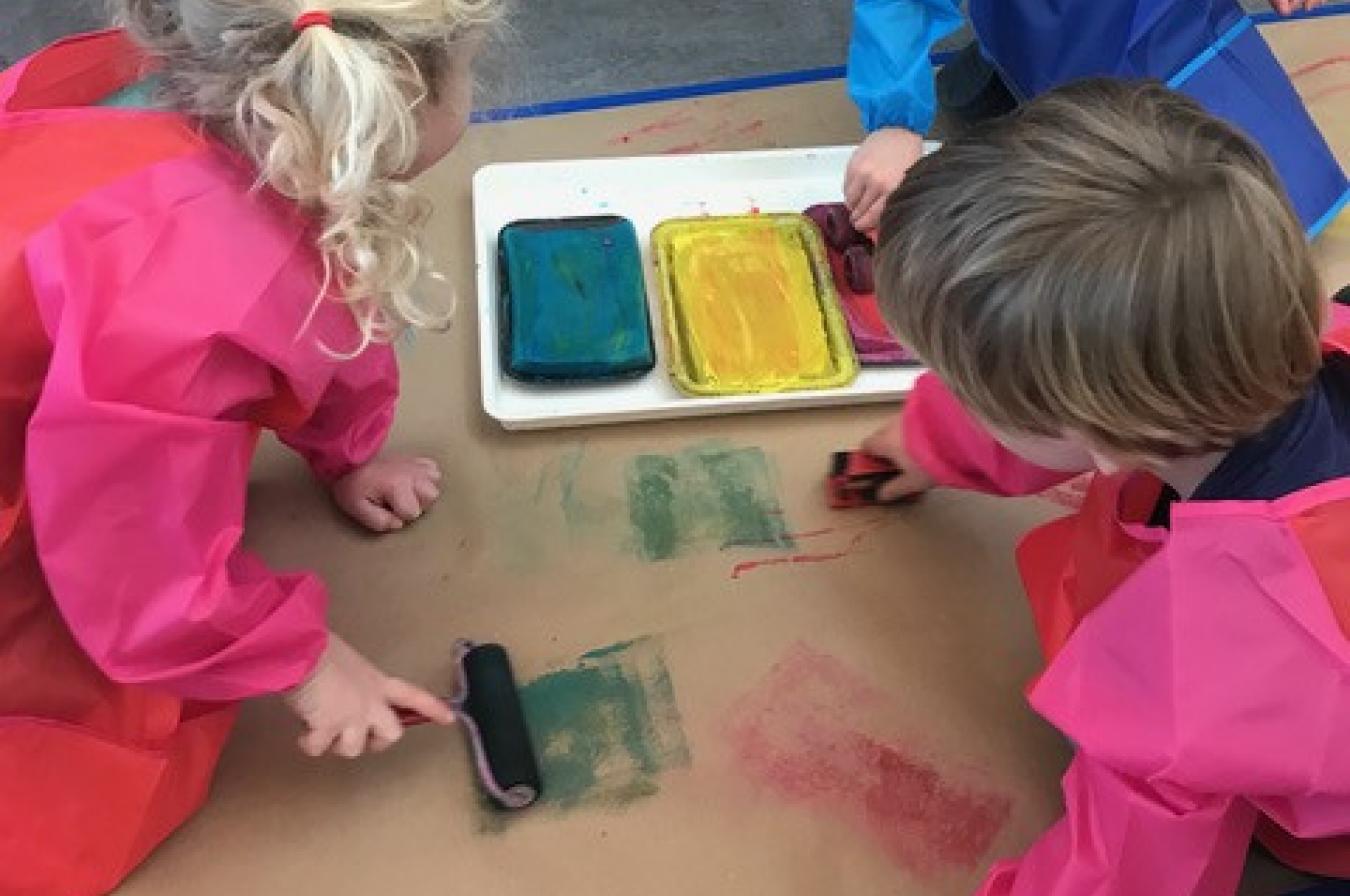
[
  {"x": 328, "y": 116},
  {"x": 1109, "y": 260}
]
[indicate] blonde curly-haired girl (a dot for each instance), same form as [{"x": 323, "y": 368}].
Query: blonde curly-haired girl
[{"x": 207, "y": 231}]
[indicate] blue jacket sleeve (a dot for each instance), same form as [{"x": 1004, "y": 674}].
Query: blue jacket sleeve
[{"x": 889, "y": 74}]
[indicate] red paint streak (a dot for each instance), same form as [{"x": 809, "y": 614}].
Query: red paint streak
[
  {"x": 668, "y": 123},
  {"x": 861, "y": 532},
  {"x": 1320, "y": 64},
  {"x": 752, "y": 127},
  {"x": 745, "y": 566},
  {"x": 1323, "y": 94},
  {"x": 710, "y": 136},
  {"x": 797, "y": 735},
  {"x": 814, "y": 533},
  {"x": 684, "y": 147}
]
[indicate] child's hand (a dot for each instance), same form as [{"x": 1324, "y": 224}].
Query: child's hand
[
  {"x": 876, "y": 169},
  {"x": 348, "y": 704},
  {"x": 387, "y": 493},
  {"x": 888, "y": 443}
]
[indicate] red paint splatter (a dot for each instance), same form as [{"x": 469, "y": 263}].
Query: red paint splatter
[
  {"x": 797, "y": 735},
  {"x": 754, "y": 209},
  {"x": 860, "y": 531},
  {"x": 1323, "y": 94},
  {"x": 1320, "y": 64},
  {"x": 684, "y": 147},
  {"x": 667, "y": 123},
  {"x": 745, "y": 566},
  {"x": 752, "y": 127},
  {"x": 709, "y": 137},
  {"x": 814, "y": 533}
]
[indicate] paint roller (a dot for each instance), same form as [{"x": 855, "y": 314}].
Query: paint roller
[
  {"x": 854, "y": 245},
  {"x": 487, "y": 704}
]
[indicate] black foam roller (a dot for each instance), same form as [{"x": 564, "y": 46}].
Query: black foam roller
[{"x": 493, "y": 702}]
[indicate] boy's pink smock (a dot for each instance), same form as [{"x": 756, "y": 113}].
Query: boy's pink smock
[{"x": 1203, "y": 672}]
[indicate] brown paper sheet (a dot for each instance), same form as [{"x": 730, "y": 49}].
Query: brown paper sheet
[{"x": 782, "y": 656}]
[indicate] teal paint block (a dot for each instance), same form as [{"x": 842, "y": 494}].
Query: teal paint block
[{"x": 573, "y": 301}]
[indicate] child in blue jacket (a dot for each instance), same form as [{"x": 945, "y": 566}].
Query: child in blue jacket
[{"x": 1207, "y": 49}]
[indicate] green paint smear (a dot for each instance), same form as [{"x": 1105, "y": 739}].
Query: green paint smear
[
  {"x": 537, "y": 512},
  {"x": 604, "y": 730},
  {"x": 709, "y": 492},
  {"x": 581, "y": 510},
  {"x": 652, "y": 484}
]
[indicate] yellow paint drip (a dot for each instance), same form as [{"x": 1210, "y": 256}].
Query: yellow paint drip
[{"x": 749, "y": 306}]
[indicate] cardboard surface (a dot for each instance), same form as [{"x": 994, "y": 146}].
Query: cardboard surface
[{"x": 784, "y": 653}]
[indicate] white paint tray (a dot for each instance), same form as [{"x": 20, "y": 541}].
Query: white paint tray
[{"x": 648, "y": 190}]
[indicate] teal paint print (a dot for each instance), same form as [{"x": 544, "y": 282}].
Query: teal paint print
[
  {"x": 605, "y": 729},
  {"x": 710, "y": 492}
]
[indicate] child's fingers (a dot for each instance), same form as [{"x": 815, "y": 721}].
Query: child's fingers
[
  {"x": 433, "y": 469},
  {"x": 376, "y": 517},
  {"x": 402, "y": 499},
  {"x": 316, "y": 741},
  {"x": 855, "y": 187},
  {"x": 351, "y": 743},
  {"x": 400, "y": 693},
  {"x": 385, "y": 731},
  {"x": 867, "y": 214},
  {"x": 427, "y": 492},
  {"x": 905, "y": 485},
  {"x": 880, "y": 444}
]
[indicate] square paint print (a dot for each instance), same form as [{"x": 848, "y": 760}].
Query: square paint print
[
  {"x": 800, "y": 735},
  {"x": 707, "y": 493},
  {"x": 605, "y": 728}
]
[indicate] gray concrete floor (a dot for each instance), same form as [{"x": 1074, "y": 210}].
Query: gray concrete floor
[{"x": 562, "y": 49}]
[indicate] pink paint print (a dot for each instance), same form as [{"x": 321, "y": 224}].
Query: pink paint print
[{"x": 800, "y": 734}]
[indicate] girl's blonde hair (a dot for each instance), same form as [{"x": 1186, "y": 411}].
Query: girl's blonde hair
[
  {"x": 328, "y": 116},
  {"x": 1110, "y": 260}
]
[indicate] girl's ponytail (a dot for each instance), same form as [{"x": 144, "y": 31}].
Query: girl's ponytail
[{"x": 327, "y": 113}]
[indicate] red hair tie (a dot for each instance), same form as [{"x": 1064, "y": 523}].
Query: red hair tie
[{"x": 314, "y": 17}]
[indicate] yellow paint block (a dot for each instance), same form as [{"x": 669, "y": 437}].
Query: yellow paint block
[{"x": 749, "y": 306}]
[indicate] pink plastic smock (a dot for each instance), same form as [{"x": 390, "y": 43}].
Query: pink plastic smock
[
  {"x": 153, "y": 302},
  {"x": 1201, "y": 670}
]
